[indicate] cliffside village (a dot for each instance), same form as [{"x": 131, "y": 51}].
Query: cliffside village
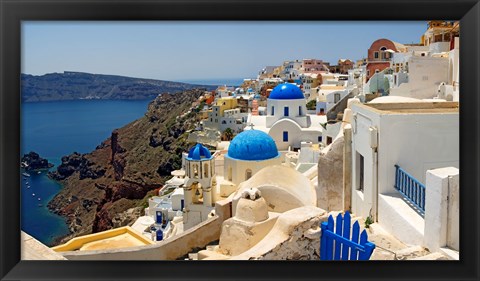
[{"x": 306, "y": 139}]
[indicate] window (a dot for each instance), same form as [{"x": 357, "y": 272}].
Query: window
[
  {"x": 375, "y": 55},
  {"x": 300, "y": 110},
  {"x": 336, "y": 98},
  {"x": 205, "y": 170},
  {"x": 319, "y": 138},
  {"x": 361, "y": 172},
  {"x": 248, "y": 174},
  {"x": 195, "y": 170},
  {"x": 329, "y": 140},
  {"x": 285, "y": 111},
  {"x": 273, "y": 110},
  {"x": 230, "y": 173},
  {"x": 285, "y": 136}
]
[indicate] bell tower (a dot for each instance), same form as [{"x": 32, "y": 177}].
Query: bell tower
[{"x": 200, "y": 169}]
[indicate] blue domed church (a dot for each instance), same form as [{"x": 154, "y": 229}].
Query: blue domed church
[
  {"x": 287, "y": 121},
  {"x": 249, "y": 152}
]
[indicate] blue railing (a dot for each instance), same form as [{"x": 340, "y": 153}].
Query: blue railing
[{"x": 411, "y": 188}]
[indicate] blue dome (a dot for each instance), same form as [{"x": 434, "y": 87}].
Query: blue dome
[
  {"x": 286, "y": 92},
  {"x": 199, "y": 152},
  {"x": 252, "y": 145}
]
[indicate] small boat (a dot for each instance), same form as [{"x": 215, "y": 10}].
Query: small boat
[
  {"x": 26, "y": 174},
  {"x": 39, "y": 172},
  {"x": 33, "y": 194},
  {"x": 28, "y": 186},
  {"x": 40, "y": 205},
  {"x": 39, "y": 199}
]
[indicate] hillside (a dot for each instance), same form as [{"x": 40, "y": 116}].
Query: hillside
[
  {"x": 78, "y": 85},
  {"x": 122, "y": 172}
]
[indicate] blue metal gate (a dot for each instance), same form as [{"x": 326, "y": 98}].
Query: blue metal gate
[{"x": 339, "y": 245}]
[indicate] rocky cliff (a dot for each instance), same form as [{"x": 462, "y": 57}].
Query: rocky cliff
[
  {"x": 32, "y": 162},
  {"x": 79, "y": 85},
  {"x": 122, "y": 172}
]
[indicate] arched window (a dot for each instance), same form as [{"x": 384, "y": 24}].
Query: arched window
[
  {"x": 248, "y": 174},
  {"x": 195, "y": 171},
  {"x": 205, "y": 170}
]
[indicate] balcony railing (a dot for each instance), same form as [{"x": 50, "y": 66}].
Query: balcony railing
[{"x": 412, "y": 189}]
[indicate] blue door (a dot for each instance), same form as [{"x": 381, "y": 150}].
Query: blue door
[
  {"x": 159, "y": 217},
  {"x": 285, "y": 111}
]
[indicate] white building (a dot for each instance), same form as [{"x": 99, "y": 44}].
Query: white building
[
  {"x": 225, "y": 114},
  {"x": 416, "y": 136},
  {"x": 333, "y": 95},
  {"x": 291, "y": 70},
  {"x": 424, "y": 76},
  {"x": 287, "y": 121}
]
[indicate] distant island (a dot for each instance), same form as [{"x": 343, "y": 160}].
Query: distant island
[{"x": 78, "y": 85}]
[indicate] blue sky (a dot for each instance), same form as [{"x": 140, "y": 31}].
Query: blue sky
[{"x": 170, "y": 50}]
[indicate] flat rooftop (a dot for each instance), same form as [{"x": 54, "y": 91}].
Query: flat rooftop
[
  {"x": 413, "y": 107},
  {"x": 116, "y": 238}
]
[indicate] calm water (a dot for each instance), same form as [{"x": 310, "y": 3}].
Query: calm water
[{"x": 56, "y": 129}]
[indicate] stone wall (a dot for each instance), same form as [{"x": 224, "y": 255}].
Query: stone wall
[{"x": 330, "y": 177}]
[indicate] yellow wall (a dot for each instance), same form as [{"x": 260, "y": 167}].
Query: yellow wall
[{"x": 226, "y": 103}]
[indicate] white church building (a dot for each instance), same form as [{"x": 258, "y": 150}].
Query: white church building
[
  {"x": 287, "y": 121},
  {"x": 249, "y": 152}
]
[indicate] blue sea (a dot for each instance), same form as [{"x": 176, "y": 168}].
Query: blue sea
[{"x": 56, "y": 129}]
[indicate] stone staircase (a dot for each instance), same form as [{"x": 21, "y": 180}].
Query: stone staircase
[{"x": 390, "y": 248}]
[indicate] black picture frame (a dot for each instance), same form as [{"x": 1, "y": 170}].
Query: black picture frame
[{"x": 13, "y": 12}]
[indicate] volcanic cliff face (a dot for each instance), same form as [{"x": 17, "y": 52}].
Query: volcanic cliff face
[{"x": 109, "y": 187}]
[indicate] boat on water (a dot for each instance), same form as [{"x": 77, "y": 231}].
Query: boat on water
[
  {"x": 39, "y": 199},
  {"x": 40, "y": 205},
  {"x": 26, "y": 174},
  {"x": 33, "y": 194}
]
